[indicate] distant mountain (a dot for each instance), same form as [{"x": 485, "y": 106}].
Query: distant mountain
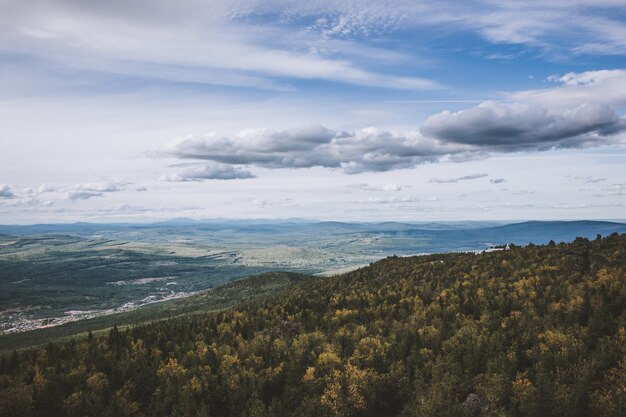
[
  {"x": 560, "y": 231},
  {"x": 530, "y": 229},
  {"x": 366, "y": 239}
]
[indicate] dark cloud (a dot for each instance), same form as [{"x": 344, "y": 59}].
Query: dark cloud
[
  {"x": 452, "y": 180},
  {"x": 515, "y": 127},
  {"x": 209, "y": 172},
  {"x": 5, "y": 192},
  {"x": 497, "y": 180}
]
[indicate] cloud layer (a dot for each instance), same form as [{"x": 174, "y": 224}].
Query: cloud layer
[
  {"x": 542, "y": 122},
  {"x": 190, "y": 42},
  {"x": 269, "y": 45},
  {"x": 367, "y": 149}
]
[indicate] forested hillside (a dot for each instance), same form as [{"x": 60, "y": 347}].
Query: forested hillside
[{"x": 529, "y": 331}]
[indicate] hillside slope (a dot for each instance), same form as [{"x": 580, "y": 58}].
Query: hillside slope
[
  {"x": 530, "y": 331},
  {"x": 215, "y": 299}
]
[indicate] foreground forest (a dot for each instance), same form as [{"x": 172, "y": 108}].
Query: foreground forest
[{"x": 528, "y": 331}]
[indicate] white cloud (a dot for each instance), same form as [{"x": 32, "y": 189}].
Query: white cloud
[
  {"x": 553, "y": 26},
  {"x": 387, "y": 187},
  {"x": 89, "y": 190},
  {"x": 105, "y": 187},
  {"x": 391, "y": 187},
  {"x": 605, "y": 86},
  {"x": 457, "y": 179},
  {"x": 26, "y": 203},
  {"x": 390, "y": 200},
  {"x": 251, "y": 43},
  {"x": 186, "y": 43},
  {"x": 44, "y": 188}
]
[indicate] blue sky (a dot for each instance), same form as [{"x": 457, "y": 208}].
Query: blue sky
[{"x": 348, "y": 110}]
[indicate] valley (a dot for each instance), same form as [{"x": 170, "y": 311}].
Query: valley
[{"x": 52, "y": 275}]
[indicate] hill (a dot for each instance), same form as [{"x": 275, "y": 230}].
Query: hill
[
  {"x": 529, "y": 331},
  {"x": 215, "y": 299}
]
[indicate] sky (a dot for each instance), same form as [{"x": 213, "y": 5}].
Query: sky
[{"x": 364, "y": 110}]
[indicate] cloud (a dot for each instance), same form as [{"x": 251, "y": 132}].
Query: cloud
[
  {"x": 588, "y": 179},
  {"x": 44, "y": 188},
  {"x": 390, "y": 200},
  {"x": 209, "y": 172},
  {"x": 554, "y": 27},
  {"x": 615, "y": 190},
  {"x": 497, "y": 180},
  {"x": 269, "y": 45},
  {"x": 587, "y": 78},
  {"x": 453, "y": 180},
  {"x": 206, "y": 43},
  {"x": 276, "y": 45},
  {"x": 460, "y": 136},
  {"x": 519, "y": 126},
  {"x": 127, "y": 208},
  {"x": 371, "y": 16},
  {"x": 550, "y": 26},
  {"x": 105, "y": 187},
  {"x": 392, "y": 187},
  {"x": 26, "y": 203},
  {"x": 541, "y": 120},
  {"x": 575, "y": 89},
  {"x": 363, "y": 150},
  {"x": 89, "y": 190},
  {"x": 263, "y": 202},
  {"x": 386, "y": 187},
  {"x": 76, "y": 192},
  {"x": 82, "y": 195},
  {"x": 5, "y": 192}
]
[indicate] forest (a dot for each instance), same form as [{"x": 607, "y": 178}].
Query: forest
[{"x": 523, "y": 331}]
